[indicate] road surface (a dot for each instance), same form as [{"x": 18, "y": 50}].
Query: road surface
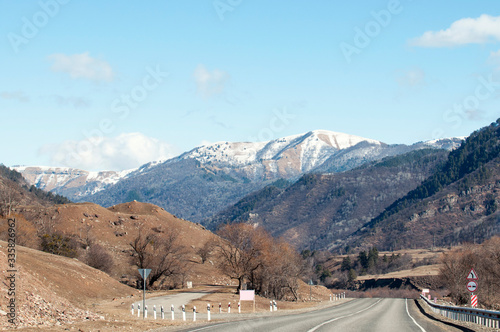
[{"x": 384, "y": 315}]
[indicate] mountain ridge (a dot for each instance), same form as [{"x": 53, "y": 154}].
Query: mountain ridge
[{"x": 222, "y": 172}]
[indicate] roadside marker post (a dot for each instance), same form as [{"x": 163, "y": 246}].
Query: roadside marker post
[
  {"x": 239, "y": 307},
  {"x": 229, "y": 308},
  {"x": 183, "y": 312},
  {"x": 162, "y": 313},
  {"x": 138, "y": 310},
  {"x": 172, "y": 310},
  {"x": 220, "y": 308},
  {"x": 271, "y": 306},
  {"x": 132, "y": 309},
  {"x": 194, "y": 314},
  {"x": 208, "y": 311},
  {"x": 145, "y": 311},
  {"x": 154, "y": 311}
]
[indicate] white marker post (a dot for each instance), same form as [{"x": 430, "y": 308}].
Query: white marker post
[
  {"x": 138, "y": 310},
  {"x": 172, "y": 310},
  {"x": 162, "y": 313},
  {"x": 132, "y": 309},
  {"x": 239, "y": 307},
  {"x": 220, "y": 308},
  {"x": 154, "y": 311},
  {"x": 146, "y": 311},
  {"x": 194, "y": 314},
  {"x": 183, "y": 312},
  {"x": 271, "y": 306},
  {"x": 208, "y": 311},
  {"x": 229, "y": 308}
]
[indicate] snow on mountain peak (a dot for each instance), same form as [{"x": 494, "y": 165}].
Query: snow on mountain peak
[{"x": 301, "y": 152}]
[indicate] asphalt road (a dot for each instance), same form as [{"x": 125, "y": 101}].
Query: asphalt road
[{"x": 384, "y": 315}]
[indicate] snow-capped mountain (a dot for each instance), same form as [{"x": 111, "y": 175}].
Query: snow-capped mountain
[
  {"x": 285, "y": 157},
  {"x": 202, "y": 181},
  {"x": 84, "y": 182}
]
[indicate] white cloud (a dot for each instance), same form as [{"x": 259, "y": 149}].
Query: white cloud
[
  {"x": 209, "y": 83},
  {"x": 479, "y": 30},
  {"x": 76, "y": 102},
  {"x": 82, "y": 66},
  {"x": 414, "y": 77},
  {"x": 128, "y": 150},
  {"x": 15, "y": 95}
]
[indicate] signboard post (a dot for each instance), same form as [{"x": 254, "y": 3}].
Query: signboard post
[
  {"x": 144, "y": 274},
  {"x": 472, "y": 277},
  {"x": 247, "y": 295}
]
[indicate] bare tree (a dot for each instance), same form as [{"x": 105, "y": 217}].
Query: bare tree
[
  {"x": 206, "y": 250},
  {"x": 160, "y": 252},
  {"x": 242, "y": 252},
  {"x": 485, "y": 260},
  {"x": 9, "y": 199}
]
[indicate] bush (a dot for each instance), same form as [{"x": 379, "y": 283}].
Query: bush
[
  {"x": 58, "y": 244},
  {"x": 99, "y": 258}
]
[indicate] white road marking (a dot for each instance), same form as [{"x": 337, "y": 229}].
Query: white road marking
[
  {"x": 332, "y": 320},
  {"x": 414, "y": 321}
]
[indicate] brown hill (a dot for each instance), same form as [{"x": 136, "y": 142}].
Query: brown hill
[
  {"x": 115, "y": 228},
  {"x": 53, "y": 290}
]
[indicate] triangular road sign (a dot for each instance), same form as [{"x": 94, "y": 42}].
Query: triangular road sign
[
  {"x": 144, "y": 273},
  {"x": 472, "y": 275}
]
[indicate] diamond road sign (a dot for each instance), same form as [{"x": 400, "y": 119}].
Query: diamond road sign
[{"x": 144, "y": 273}]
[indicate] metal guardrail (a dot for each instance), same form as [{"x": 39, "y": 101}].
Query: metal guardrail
[{"x": 488, "y": 318}]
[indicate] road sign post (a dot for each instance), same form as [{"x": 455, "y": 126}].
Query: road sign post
[{"x": 144, "y": 274}]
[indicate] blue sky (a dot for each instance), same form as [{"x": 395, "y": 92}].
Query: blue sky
[{"x": 111, "y": 85}]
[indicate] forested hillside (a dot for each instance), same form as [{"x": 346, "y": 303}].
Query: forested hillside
[
  {"x": 457, "y": 203},
  {"x": 320, "y": 211}
]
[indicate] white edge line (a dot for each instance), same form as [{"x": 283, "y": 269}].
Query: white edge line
[
  {"x": 332, "y": 320},
  {"x": 414, "y": 321}
]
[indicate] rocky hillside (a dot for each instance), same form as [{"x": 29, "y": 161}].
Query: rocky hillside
[
  {"x": 203, "y": 181},
  {"x": 320, "y": 211}
]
